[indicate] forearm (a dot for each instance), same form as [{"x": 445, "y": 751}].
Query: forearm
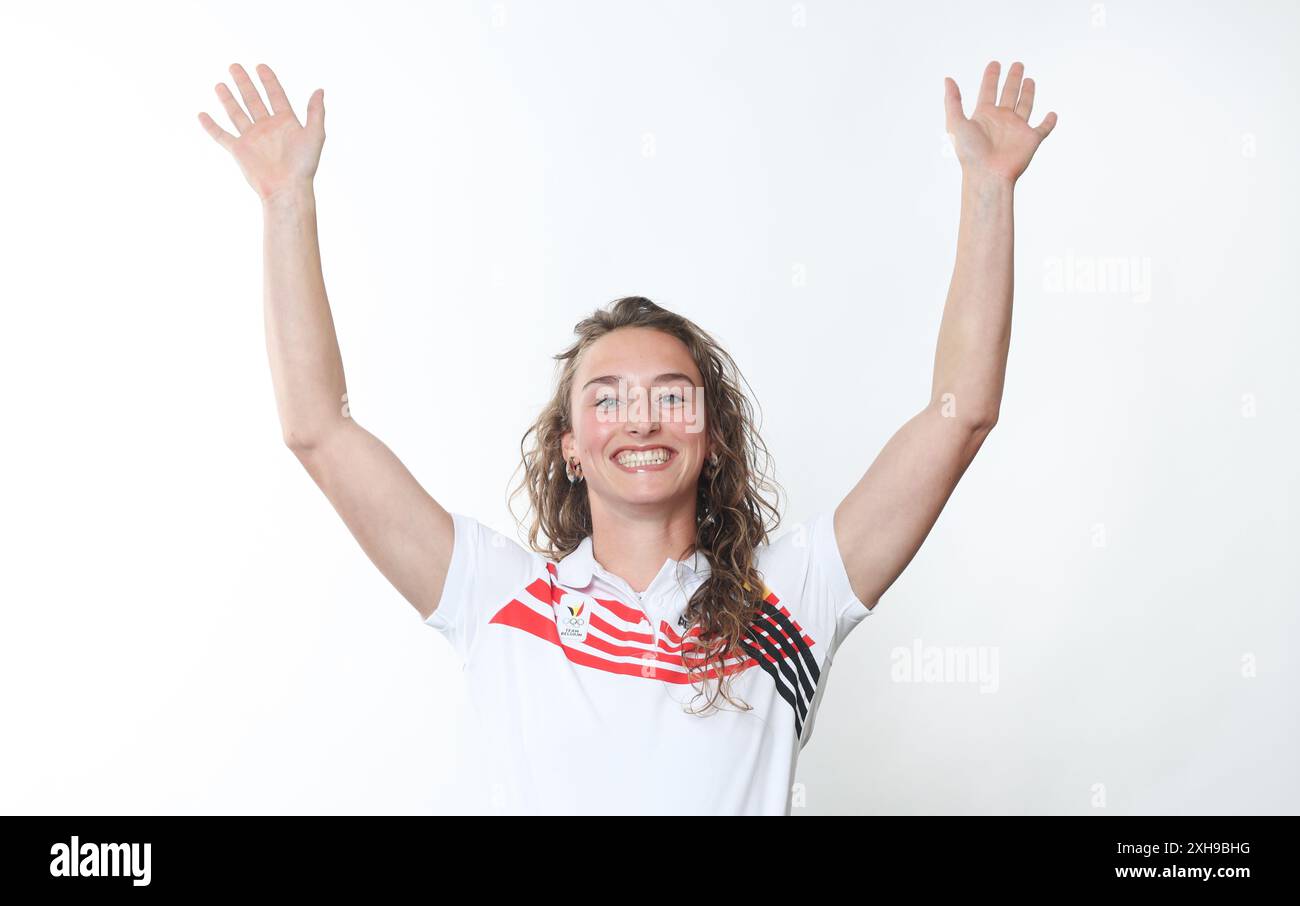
[
  {"x": 975, "y": 333},
  {"x": 306, "y": 368}
]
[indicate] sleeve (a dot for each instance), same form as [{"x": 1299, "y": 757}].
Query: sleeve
[
  {"x": 805, "y": 570},
  {"x": 487, "y": 571}
]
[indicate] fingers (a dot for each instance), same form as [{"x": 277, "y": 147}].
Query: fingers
[
  {"x": 233, "y": 110},
  {"x": 221, "y": 136},
  {"x": 1026, "y": 102},
  {"x": 1045, "y": 128},
  {"x": 316, "y": 110},
  {"x": 248, "y": 91},
  {"x": 951, "y": 103},
  {"x": 1011, "y": 90},
  {"x": 989, "y": 86},
  {"x": 274, "y": 93}
]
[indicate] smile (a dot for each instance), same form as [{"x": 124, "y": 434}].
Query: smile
[{"x": 643, "y": 460}]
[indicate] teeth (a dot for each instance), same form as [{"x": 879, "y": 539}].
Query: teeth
[{"x": 648, "y": 458}]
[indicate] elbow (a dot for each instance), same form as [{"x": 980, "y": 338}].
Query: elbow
[
  {"x": 967, "y": 411},
  {"x": 973, "y": 419},
  {"x": 979, "y": 416},
  {"x": 306, "y": 440},
  {"x": 300, "y": 442},
  {"x": 984, "y": 422}
]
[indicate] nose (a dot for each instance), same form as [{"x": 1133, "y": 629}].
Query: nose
[
  {"x": 642, "y": 419},
  {"x": 642, "y": 427}
]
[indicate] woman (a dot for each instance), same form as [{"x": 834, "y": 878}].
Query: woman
[{"x": 656, "y": 654}]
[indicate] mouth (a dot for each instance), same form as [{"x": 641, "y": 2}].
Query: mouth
[{"x": 643, "y": 459}]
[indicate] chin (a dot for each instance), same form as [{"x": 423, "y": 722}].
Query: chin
[{"x": 647, "y": 495}]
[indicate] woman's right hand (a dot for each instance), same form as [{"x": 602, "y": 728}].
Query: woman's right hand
[{"x": 275, "y": 152}]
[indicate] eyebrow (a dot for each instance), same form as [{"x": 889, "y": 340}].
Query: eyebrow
[{"x": 615, "y": 378}]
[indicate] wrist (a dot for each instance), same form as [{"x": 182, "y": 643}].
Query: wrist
[
  {"x": 984, "y": 184},
  {"x": 292, "y": 194}
]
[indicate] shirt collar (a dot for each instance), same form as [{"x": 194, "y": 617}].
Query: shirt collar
[{"x": 577, "y": 568}]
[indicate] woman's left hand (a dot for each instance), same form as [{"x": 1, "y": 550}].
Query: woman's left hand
[{"x": 997, "y": 140}]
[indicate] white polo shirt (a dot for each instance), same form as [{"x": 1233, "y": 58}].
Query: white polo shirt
[{"x": 575, "y": 698}]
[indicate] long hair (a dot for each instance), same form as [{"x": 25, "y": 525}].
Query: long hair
[{"x": 733, "y": 514}]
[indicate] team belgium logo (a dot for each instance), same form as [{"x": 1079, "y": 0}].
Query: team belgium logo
[{"x": 571, "y": 619}]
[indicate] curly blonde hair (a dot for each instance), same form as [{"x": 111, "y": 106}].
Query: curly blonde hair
[{"x": 733, "y": 513}]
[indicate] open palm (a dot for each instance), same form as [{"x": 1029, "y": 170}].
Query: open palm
[
  {"x": 274, "y": 151},
  {"x": 997, "y": 138}
]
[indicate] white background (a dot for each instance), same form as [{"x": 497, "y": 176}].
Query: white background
[{"x": 188, "y": 627}]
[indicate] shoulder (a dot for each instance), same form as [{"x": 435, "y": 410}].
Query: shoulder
[
  {"x": 479, "y": 543},
  {"x": 484, "y": 559},
  {"x": 804, "y": 574},
  {"x": 487, "y": 570}
]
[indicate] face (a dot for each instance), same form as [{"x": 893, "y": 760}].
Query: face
[{"x": 638, "y": 389}]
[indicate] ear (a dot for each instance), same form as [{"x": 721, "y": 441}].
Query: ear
[{"x": 566, "y": 445}]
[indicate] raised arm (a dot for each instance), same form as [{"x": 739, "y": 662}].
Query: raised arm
[
  {"x": 884, "y": 520},
  {"x": 403, "y": 530}
]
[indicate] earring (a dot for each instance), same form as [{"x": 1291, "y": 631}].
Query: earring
[
  {"x": 713, "y": 464},
  {"x": 569, "y": 471},
  {"x": 708, "y": 518}
]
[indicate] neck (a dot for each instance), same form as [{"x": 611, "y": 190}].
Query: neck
[{"x": 634, "y": 542}]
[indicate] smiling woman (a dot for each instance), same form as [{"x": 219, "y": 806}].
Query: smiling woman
[
  {"x": 646, "y": 488},
  {"x": 650, "y": 582}
]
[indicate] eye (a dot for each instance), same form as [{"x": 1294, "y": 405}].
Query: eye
[
  {"x": 672, "y": 396},
  {"x": 605, "y": 399}
]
